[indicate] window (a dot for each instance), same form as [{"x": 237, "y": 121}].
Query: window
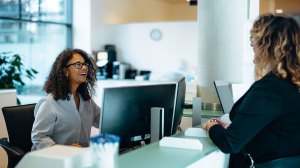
[{"x": 37, "y": 30}]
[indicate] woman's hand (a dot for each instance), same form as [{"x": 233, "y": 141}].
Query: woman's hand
[
  {"x": 212, "y": 122},
  {"x": 224, "y": 124},
  {"x": 209, "y": 124},
  {"x": 76, "y": 145}
]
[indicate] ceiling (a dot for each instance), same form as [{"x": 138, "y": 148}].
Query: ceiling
[
  {"x": 174, "y": 1},
  {"x": 288, "y": 6}
]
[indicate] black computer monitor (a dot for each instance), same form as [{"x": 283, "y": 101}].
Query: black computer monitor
[
  {"x": 179, "y": 104},
  {"x": 224, "y": 94},
  {"x": 126, "y": 111}
]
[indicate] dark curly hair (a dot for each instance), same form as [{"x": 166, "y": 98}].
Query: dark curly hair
[{"x": 57, "y": 83}]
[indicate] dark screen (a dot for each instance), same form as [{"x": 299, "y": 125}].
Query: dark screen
[
  {"x": 224, "y": 95},
  {"x": 180, "y": 97},
  {"x": 126, "y": 111}
]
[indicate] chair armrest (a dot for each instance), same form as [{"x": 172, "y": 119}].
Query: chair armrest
[{"x": 10, "y": 149}]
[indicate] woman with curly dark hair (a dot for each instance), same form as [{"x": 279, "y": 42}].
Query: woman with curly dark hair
[
  {"x": 265, "y": 129},
  {"x": 66, "y": 115}
]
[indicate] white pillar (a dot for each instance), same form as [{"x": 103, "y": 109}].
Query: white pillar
[
  {"x": 221, "y": 35},
  {"x": 88, "y": 25}
]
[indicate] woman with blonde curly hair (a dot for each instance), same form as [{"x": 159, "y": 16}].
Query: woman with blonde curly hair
[
  {"x": 265, "y": 129},
  {"x": 65, "y": 116}
]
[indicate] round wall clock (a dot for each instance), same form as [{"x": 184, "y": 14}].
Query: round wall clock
[{"x": 156, "y": 34}]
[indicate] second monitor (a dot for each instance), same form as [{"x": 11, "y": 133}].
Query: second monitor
[{"x": 126, "y": 110}]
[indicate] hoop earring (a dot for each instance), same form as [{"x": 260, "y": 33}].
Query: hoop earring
[{"x": 68, "y": 77}]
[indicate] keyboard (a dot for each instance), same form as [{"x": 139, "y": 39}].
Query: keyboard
[
  {"x": 184, "y": 143},
  {"x": 196, "y": 132}
]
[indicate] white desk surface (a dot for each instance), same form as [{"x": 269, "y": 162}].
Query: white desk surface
[{"x": 153, "y": 155}]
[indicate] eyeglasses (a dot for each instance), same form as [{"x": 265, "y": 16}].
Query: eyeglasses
[{"x": 79, "y": 65}]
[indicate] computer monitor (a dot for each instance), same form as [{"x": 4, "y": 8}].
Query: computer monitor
[
  {"x": 224, "y": 95},
  {"x": 179, "y": 103},
  {"x": 126, "y": 111}
]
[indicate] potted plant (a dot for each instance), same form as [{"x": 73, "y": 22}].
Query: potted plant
[{"x": 12, "y": 70}]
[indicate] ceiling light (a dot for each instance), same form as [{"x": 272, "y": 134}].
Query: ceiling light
[{"x": 278, "y": 10}]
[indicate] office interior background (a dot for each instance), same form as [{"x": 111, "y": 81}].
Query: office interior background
[{"x": 209, "y": 41}]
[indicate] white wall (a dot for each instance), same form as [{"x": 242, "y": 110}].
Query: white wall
[
  {"x": 175, "y": 52},
  {"x": 216, "y": 48}
]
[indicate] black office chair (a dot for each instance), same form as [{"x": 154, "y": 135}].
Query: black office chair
[
  {"x": 19, "y": 121},
  {"x": 286, "y": 162}
]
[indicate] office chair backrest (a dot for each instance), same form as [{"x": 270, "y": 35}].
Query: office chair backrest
[{"x": 19, "y": 121}]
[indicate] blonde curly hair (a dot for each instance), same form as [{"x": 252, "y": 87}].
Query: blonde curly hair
[{"x": 276, "y": 42}]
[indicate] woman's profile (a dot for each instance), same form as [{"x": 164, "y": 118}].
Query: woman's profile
[{"x": 265, "y": 120}]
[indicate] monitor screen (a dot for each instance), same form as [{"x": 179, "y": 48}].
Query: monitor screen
[
  {"x": 224, "y": 94},
  {"x": 126, "y": 111},
  {"x": 180, "y": 97}
]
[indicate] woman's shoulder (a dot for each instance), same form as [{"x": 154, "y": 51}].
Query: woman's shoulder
[
  {"x": 47, "y": 98},
  {"x": 271, "y": 83},
  {"x": 274, "y": 80},
  {"x": 44, "y": 102},
  {"x": 269, "y": 79}
]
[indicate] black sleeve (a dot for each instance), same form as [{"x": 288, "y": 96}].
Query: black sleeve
[{"x": 261, "y": 105}]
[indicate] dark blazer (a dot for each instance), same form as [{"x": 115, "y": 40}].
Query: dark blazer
[{"x": 265, "y": 121}]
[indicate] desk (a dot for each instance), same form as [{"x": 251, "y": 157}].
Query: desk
[
  {"x": 149, "y": 156},
  {"x": 152, "y": 156},
  {"x": 186, "y": 121}
]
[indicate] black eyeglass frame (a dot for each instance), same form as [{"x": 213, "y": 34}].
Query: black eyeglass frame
[{"x": 79, "y": 65}]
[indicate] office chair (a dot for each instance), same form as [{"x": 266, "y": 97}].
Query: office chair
[
  {"x": 19, "y": 121},
  {"x": 286, "y": 162}
]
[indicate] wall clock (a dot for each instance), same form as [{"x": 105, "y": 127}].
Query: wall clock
[{"x": 156, "y": 34}]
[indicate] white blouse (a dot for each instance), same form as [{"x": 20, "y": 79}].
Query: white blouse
[{"x": 59, "y": 122}]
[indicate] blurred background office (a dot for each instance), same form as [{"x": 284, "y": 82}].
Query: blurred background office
[{"x": 203, "y": 41}]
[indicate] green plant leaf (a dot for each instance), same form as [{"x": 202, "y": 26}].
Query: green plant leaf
[
  {"x": 12, "y": 70},
  {"x": 34, "y": 71}
]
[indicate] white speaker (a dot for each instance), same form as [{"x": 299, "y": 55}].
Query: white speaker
[{"x": 196, "y": 111}]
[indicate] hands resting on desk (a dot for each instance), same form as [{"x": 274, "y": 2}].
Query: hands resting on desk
[
  {"x": 76, "y": 145},
  {"x": 214, "y": 121}
]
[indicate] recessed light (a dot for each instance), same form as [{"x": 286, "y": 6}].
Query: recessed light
[{"x": 278, "y": 10}]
